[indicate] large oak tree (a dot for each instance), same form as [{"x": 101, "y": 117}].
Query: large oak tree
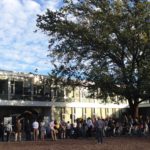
[{"x": 106, "y": 42}]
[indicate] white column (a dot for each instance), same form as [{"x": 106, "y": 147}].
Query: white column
[
  {"x": 9, "y": 88},
  {"x": 52, "y": 112}
]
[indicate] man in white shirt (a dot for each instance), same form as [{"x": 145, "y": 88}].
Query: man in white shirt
[
  {"x": 35, "y": 126},
  {"x": 90, "y": 126},
  {"x": 8, "y": 130}
]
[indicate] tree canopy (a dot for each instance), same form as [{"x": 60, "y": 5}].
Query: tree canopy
[{"x": 106, "y": 42}]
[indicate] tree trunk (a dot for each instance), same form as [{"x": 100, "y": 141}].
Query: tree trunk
[{"x": 134, "y": 110}]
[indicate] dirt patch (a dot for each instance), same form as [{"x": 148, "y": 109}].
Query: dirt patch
[{"x": 115, "y": 143}]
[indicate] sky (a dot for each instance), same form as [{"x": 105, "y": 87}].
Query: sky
[{"x": 21, "y": 49}]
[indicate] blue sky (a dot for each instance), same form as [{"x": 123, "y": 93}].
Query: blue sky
[{"x": 21, "y": 49}]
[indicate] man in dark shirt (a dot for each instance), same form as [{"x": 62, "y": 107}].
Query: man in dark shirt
[
  {"x": 99, "y": 130},
  {"x": 28, "y": 130},
  {"x": 2, "y": 131}
]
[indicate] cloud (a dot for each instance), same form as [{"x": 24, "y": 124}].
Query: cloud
[
  {"x": 50, "y": 4},
  {"x": 20, "y": 48}
]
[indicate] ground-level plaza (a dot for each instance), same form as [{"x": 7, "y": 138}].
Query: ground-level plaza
[{"x": 114, "y": 143}]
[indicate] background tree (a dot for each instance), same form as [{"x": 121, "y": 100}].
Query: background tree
[{"x": 105, "y": 42}]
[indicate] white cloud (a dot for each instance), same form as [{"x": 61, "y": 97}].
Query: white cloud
[
  {"x": 20, "y": 48},
  {"x": 52, "y": 4}
]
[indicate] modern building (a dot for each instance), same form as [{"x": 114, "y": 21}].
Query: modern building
[{"x": 40, "y": 95}]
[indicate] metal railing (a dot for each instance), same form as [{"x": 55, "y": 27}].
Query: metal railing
[
  {"x": 38, "y": 97},
  {"x": 24, "y": 97}
]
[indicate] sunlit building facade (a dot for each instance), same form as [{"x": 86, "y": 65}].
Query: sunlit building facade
[{"x": 21, "y": 92}]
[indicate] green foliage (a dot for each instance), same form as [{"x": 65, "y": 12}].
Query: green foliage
[{"x": 105, "y": 42}]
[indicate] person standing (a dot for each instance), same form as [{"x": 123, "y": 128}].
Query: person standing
[
  {"x": 90, "y": 127},
  {"x": 27, "y": 130},
  {"x": 35, "y": 126},
  {"x": 62, "y": 129},
  {"x": 2, "y": 131},
  {"x": 68, "y": 127},
  {"x": 43, "y": 130},
  {"x": 53, "y": 129},
  {"x": 18, "y": 128},
  {"x": 99, "y": 130},
  {"x": 8, "y": 129}
]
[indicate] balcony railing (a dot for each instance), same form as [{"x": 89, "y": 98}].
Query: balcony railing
[
  {"x": 85, "y": 100},
  {"x": 37, "y": 97},
  {"x": 25, "y": 97}
]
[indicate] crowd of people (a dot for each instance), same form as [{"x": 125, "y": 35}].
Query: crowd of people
[{"x": 91, "y": 127}]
